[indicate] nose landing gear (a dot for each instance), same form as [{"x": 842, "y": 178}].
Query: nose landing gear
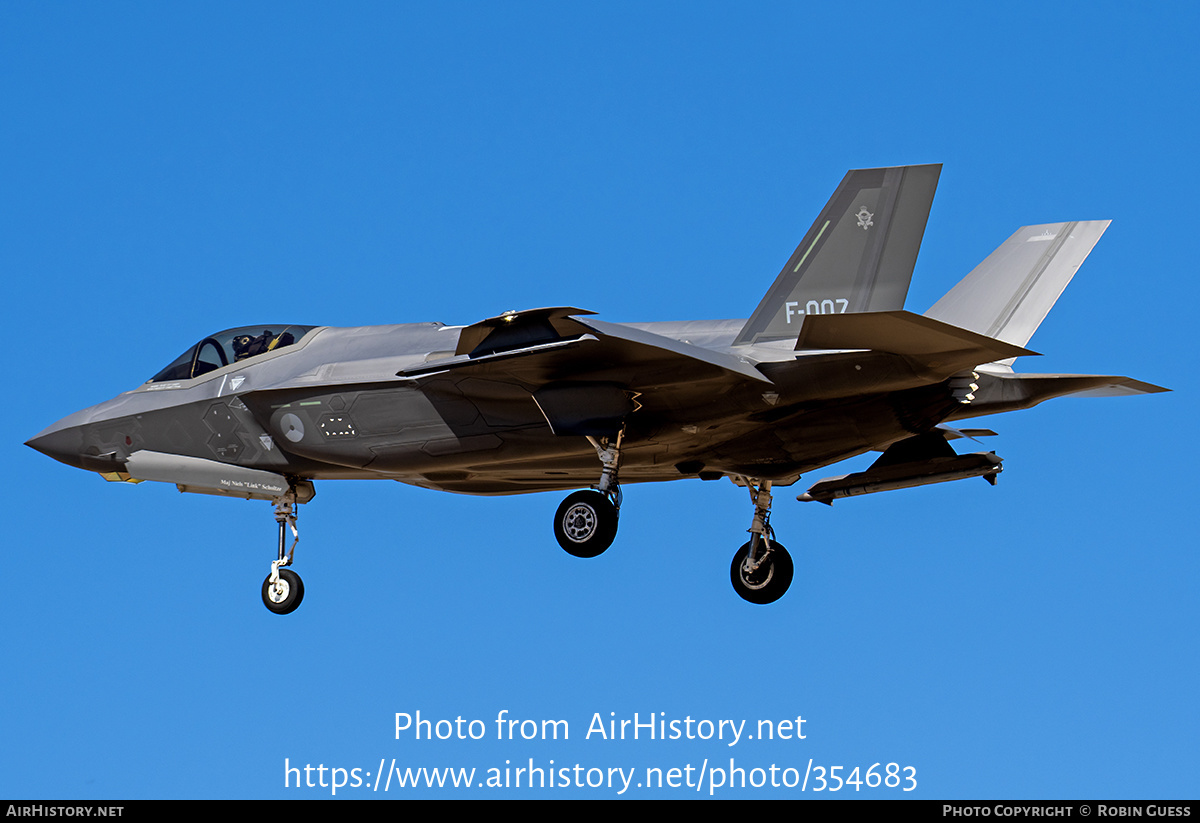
[{"x": 283, "y": 589}]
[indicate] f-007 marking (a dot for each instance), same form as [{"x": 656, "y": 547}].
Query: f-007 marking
[{"x": 835, "y": 306}]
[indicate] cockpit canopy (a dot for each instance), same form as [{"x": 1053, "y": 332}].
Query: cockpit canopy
[{"x": 230, "y": 346}]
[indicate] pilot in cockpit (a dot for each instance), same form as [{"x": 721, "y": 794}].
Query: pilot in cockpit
[
  {"x": 246, "y": 346},
  {"x": 240, "y": 345}
]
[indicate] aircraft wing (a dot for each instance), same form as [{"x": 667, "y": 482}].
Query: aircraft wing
[
  {"x": 543, "y": 345},
  {"x": 584, "y": 375}
]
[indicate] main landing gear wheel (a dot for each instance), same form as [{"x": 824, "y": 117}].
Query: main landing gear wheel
[
  {"x": 284, "y": 595},
  {"x": 586, "y": 523},
  {"x": 766, "y": 583}
]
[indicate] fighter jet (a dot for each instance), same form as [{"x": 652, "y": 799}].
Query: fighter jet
[{"x": 828, "y": 366}]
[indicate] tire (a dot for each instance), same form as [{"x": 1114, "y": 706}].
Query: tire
[
  {"x": 769, "y": 582},
  {"x": 287, "y": 601},
  {"x": 586, "y": 523}
]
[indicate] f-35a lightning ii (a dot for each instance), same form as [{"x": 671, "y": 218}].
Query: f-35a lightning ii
[{"x": 828, "y": 366}]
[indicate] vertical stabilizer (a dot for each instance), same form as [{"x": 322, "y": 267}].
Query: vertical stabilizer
[
  {"x": 1008, "y": 295},
  {"x": 857, "y": 257}
]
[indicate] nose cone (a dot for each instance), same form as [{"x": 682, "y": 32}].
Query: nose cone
[
  {"x": 81, "y": 440},
  {"x": 63, "y": 444}
]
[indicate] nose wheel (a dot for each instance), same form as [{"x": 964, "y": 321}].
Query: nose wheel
[{"x": 283, "y": 594}]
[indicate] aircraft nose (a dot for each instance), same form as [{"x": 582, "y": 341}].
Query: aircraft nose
[{"x": 64, "y": 445}]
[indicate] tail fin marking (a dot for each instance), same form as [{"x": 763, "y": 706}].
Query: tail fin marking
[{"x": 857, "y": 257}]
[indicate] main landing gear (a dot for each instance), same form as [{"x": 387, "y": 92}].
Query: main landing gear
[
  {"x": 762, "y": 569},
  {"x": 586, "y": 522},
  {"x": 283, "y": 589}
]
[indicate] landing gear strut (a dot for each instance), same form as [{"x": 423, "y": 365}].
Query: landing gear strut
[
  {"x": 762, "y": 569},
  {"x": 283, "y": 589},
  {"x": 586, "y": 522}
]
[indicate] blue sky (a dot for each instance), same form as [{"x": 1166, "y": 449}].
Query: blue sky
[{"x": 171, "y": 170}]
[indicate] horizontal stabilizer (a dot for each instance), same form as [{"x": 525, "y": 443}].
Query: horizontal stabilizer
[
  {"x": 934, "y": 345},
  {"x": 1001, "y": 391},
  {"x": 1008, "y": 295}
]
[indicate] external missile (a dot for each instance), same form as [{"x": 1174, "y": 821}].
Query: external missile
[{"x": 904, "y": 476}]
